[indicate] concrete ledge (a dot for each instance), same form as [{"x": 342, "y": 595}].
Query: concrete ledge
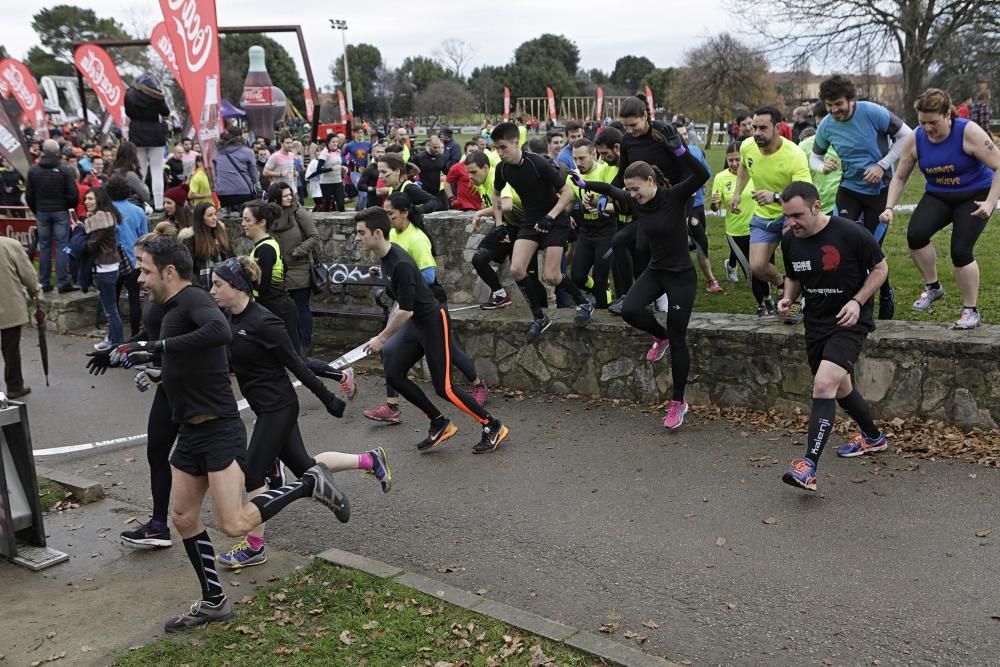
[
  {"x": 358, "y": 562},
  {"x": 84, "y": 490},
  {"x": 440, "y": 590},
  {"x": 615, "y": 652},
  {"x": 526, "y": 620}
]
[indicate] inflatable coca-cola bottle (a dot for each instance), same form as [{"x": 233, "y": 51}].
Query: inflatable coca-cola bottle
[
  {"x": 209, "y": 125},
  {"x": 257, "y": 99}
]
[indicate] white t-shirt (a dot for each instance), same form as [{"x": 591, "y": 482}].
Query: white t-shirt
[
  {"x": 333, "y": 161},
  {"x": 285, "y": 165}
]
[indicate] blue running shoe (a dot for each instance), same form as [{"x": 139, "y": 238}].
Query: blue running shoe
[
  {"x": 861, "y": 445},
  {"x": 802, "y": 474},
  {"x": 242, "y": 555},
  {"x": 380, "y": 468}
]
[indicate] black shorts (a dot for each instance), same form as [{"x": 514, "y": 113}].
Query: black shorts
[
  {"x": 841, "y": 347},
  {"x": 210, "y": 446},
  {"x": 556, "y": 237}
]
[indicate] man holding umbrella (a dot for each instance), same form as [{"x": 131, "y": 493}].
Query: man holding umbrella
[{"x": 16, "y": 275}]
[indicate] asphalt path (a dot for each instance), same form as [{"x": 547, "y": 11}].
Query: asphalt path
[{"x": 592, "y": 514}]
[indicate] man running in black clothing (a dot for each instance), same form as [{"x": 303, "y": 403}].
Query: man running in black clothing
[
  {"x": 545, "y": 199},
  {"x": 419, "y": 328},
  {"x": 212, "y": 442},
  {"x": 839, "y": 266}
]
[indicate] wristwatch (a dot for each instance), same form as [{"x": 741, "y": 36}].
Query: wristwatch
[{"x": 777, "y": 197}]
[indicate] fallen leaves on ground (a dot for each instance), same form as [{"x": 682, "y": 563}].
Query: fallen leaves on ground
[
  {"x": 651, "y": 624},
  {"x": 983, "y": 533},
  {"x": 609, "y": 628},
  {"x": 770, "y": 520}
]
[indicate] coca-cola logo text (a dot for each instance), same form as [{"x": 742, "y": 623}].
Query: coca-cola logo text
[
  {"x": 93, "y": 68},
  {"x": 8, "y": 140},
  {"x": 196, "y": 38},
  {"x": 166, "y": 48},
  {"x": 16, "y": 80}
]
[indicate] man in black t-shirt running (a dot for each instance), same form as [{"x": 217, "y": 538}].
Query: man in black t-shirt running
[
  {"x": 211, "y": 442},
  {"x": 545, "y": 198},
  {"x": 838, "y": 266}
]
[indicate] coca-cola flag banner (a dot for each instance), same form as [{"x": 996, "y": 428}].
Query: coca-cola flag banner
[
  {"x": 25, "y": 90},
  {"x": 193, "y": 30},
  {"x": 552, "y": 103},
  {"x": 343, "y": 105},
  {"x": 310, "y": 105},
  {"x": 649, "y": 101},
  {"x": 4, "y": 89},
  {"x": 102, "y": 75},
  {"x": 159, "y": 39},
  {"x": 506, "y": 103},
  {"x": 599, "y": 109},
  {"x": 12, "y": 144}
]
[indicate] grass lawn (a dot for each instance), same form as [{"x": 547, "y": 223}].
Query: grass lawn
[
  {"x": 323, "y": 614},
  {"x": 49, "y": 493}
]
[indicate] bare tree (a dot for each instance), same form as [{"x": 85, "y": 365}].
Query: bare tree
[
  {"x": 448, "y": 99},
  {"x": 911, "y": 33},
  {"x": 719, "y": 75},
  {"x": 454, "y": 55}
]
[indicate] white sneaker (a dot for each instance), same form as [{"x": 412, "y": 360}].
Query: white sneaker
[
  {"x": 969, "y": 319},
  {"x": 731, "y": 274},
  {"x": 103, "y": 346},
  {"x": 662, "y": 302}
]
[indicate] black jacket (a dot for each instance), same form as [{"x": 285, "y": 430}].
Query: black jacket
[
  {"x": 144, "y": 110},
  {"x": 50, "y": 186}
]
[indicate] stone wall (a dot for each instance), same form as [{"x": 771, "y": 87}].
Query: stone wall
[{"x": 906, "y": 369}]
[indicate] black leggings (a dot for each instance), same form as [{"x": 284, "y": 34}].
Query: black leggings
[
  {"x": 276, "y": 436},
  {"x": 631, "y": 255},
  {"x": 680, "y": 288},
  {"x": 333, "y": 196},
  {"x": 491, "y": 250},
  {"x": 589, "y": 254},
  {"x": 698, "y": 232},
  {"x": 431, "y": 338},
  {"x": 934, "y": 212},
  {"x": 459, "y": 358},
  {"x": 739, "y": 248},
  {"x": 161, "y": 431},
  {"x": 866, "y": 209},
  {"x": 131, "y": 283}
]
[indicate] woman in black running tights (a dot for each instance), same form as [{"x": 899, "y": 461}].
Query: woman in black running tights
[
  {"x": 659, "y": 211},
  {"x": 261, "y": 353}
]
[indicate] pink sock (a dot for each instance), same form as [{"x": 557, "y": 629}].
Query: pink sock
[
  {"x": 365, "y": 461},
  {"x": 255, "y": 542}
]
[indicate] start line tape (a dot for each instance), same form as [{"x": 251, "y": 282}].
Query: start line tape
[{"x": 70, "y": 449}]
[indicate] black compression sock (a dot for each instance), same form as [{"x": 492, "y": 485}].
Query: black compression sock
[
  {"x": 570, "y": 287},
  {"x": 855, "y": 405},
  {"x": 271, "y": 502},
  {"x": 201, "y": 553},
  {"x": 824, "y": 411},
  {"x": 934, "y": 285},
  {"x": 525, "y": 286}
]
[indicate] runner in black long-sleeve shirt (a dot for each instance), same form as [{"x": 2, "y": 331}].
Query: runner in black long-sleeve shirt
[
  {"x": 658, "y": 211},
  {"x": 260, "y": 355},
  {"x": 211, "y": 442},
  {"x": 644, "y": 140}
]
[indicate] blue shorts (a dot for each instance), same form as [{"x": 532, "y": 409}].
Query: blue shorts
[{"x": 763, "y": 230}]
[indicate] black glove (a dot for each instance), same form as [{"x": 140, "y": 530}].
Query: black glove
[
  {"x": 545, "y": 224},
  {"x": 673, "y": 140},
  {"x": 123, "y": 354},
  {"x": 334, "y": 405},
  {"x": 99, "y": 362}
]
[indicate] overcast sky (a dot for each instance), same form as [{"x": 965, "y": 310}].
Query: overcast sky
[{"x": 417, "y": 28}]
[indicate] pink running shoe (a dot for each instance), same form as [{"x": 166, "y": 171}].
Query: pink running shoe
[
  {"x": 713, "y": 286},
  {"x": 348, "y": 385},
  {"x": 480, "y": 392},
  {"x": 675, "y": 414},
  {"x": 660, "y": 347},
  {"x": 385, "y": 413}
]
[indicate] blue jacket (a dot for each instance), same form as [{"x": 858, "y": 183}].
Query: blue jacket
[{"x": 133, "y": 225}]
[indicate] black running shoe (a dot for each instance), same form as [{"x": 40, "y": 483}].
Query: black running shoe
[
  {"x": 328, "y": 494},
  {"x": 146, "y": 537},
  {"x": 538, "y": 327},
  {"x": 437, "y": 434},
  {"x": 493, "y": 435},
  {"x": 200, "y": 613},
  {"x": 583, "y": 314},
  {"x": 887, "y": 305}
]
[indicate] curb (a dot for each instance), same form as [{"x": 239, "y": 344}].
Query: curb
[
  {"x": 84, "y": 490},
  {"x": 606, "y": 649}
]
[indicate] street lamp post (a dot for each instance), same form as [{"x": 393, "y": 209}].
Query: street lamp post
[{"x": 338, "y": 24}]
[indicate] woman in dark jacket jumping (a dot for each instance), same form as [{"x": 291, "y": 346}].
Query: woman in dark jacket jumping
[{"x": 145, "y": 108}]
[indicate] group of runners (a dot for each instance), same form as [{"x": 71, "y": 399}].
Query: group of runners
[{"x": 629, "y": 201}]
